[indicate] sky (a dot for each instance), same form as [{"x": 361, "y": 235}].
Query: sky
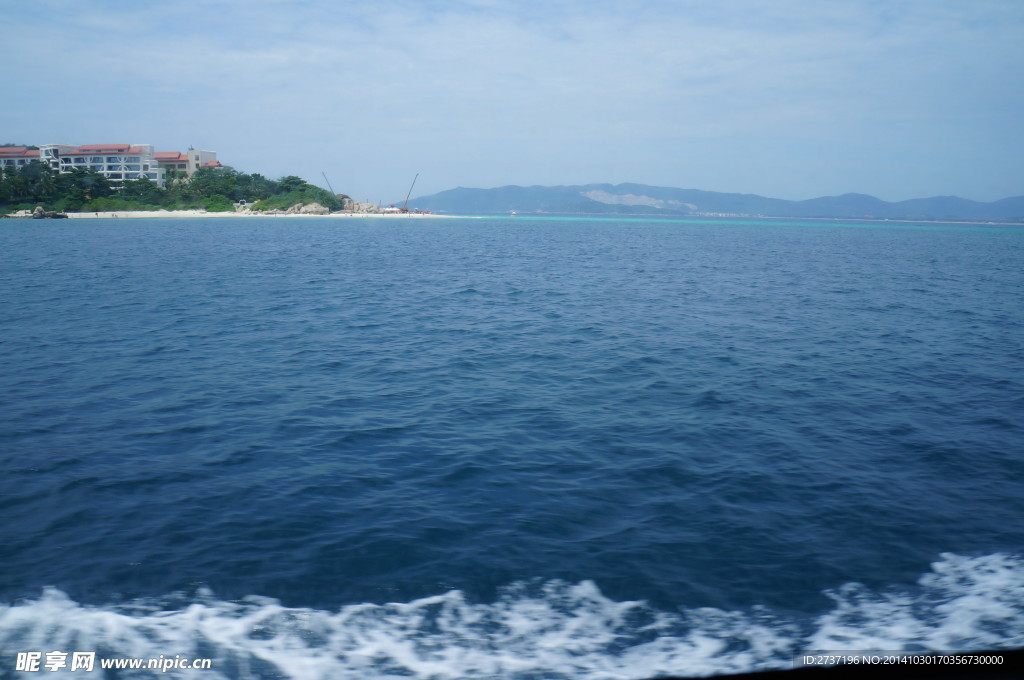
[{"x": 791, "y": 99}]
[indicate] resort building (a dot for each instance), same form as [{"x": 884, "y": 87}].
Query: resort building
[
  {"x": 116, "y": 162},
  {"x": 187, "y": 162},
  {"x": 16, "y": 156}
]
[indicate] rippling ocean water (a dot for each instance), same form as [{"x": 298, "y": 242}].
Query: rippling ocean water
[{"x": 508, "y": 448}]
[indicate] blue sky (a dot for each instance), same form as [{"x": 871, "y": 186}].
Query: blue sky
[{"x": 785, "y": 98}]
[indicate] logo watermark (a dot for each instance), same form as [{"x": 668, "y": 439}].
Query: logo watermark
[{"x": 32, "y": 662}]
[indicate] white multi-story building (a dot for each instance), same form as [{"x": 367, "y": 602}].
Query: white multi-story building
[
  {"x": 17, "y": 156},
  {"x": 116, "y": 162},
  {"x": 187, "y": 162}
]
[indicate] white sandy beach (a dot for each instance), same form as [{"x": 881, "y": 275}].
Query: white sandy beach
[{"x": 134, "y": 214}]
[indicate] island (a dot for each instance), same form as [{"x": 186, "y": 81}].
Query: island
[{"x": 36, "y": 190}]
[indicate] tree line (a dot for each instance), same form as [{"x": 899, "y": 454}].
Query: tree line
[{"x": 212, "y": 189}]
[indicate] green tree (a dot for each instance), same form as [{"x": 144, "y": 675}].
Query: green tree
[
  {"x": 209, "y": 188},
  {"x": 15, "y": 189},
  {"x": 218, "y": 203},
  {"x": 5, "y": 186},
  {"x": 38, "y": 181},
  {"x": 142, "y": 190},
  {"x": 291, "y": 183},
  {"x": 214, "y": 181},
  {"x": 256, "y": 187},
  {"x": 76, "y": 188}
]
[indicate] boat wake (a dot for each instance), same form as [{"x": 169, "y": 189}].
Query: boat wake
[{"x": 552, "y": 629}]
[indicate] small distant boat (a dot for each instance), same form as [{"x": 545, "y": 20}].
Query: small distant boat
[{"x": 513, "y": 213}]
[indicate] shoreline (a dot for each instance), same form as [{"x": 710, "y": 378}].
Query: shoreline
[
  {"x": 141, "y": 214},
  {"x": 879, "y": 220},
  {"x": 178, "y": 214}
]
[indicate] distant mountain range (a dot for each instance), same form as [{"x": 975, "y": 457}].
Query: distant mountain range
[{"x": 640, "y": 199}]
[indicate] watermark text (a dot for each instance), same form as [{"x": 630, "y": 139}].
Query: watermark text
[{"x": 32, "y": 662}]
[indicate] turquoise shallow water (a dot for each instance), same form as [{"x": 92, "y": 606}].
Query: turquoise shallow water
[{"x": 532, "y": 424}]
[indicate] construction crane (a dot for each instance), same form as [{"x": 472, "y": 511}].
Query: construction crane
[
  {"x": 405, "y": 206},
  {"x": 328, "y": 182}
]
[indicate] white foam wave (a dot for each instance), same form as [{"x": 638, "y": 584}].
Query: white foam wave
[{"x": 550, "y": 630}]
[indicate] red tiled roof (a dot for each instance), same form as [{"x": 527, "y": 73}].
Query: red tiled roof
[
  {"x": 98, "y": 149},
  {"x": 212, "y": 164},
  {"x": 176, "y": 156},
  {"x": 105, "y": 148},
  {"x": 18, "y": 152}
]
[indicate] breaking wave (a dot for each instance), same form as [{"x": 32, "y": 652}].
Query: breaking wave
[{"x": 532, "y": 630}]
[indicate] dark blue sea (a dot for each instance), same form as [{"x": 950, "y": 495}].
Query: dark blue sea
[{"x": 517, "y": 448}]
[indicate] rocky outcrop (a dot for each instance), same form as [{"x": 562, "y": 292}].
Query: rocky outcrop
[
  {"x": 38, "y": 214},
  {"x": 297, "y": 209},
  {"x": 348, "y": 205},
  {"x": 41, "y": 214},
  {"x": 307, "y": 209}
]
